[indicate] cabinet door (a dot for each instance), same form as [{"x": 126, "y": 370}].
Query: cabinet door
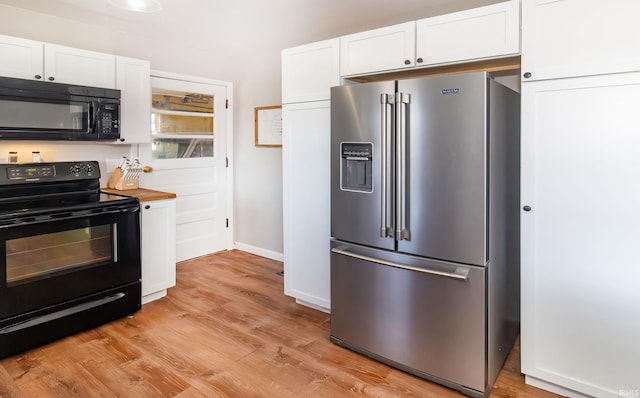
[
  {"x": 479, "y": 33},
  {"x": 133, "y": 78},
  {"x": 309, "y": 71},
  {"x": 565, "y": 38},
  {"x": 306, "y": 201},
  {"x": 158, "y": 246},
  {"x": 82, "y": 67},
  {"x": 21, "y": 58},
  {"x": 377, "y": 50},
  {"x": 580, "y": 267}
]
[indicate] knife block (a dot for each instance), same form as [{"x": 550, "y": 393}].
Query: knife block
[{"x": 117, "y": 181}]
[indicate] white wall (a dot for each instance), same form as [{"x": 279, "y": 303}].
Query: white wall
[{"x": 256, "y": 78}]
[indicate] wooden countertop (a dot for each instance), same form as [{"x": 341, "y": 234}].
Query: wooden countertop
[{"x": 144, "y": 195}]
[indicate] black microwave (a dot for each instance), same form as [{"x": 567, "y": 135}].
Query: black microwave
[{"x": 37, "y": 110}]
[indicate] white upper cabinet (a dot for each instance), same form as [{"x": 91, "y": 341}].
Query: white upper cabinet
[
  {"x": 21, "y": 58},
  {"x": 480, "y": 33},
  {"x": 75, "y": 66},
  {"x": 566, "y": 38},
  {"x": 29, "y": 59},
  {"x": 388, "y": 48},
  {"x": 309, "y": 71},
  {"x": 133, "y": 79}
]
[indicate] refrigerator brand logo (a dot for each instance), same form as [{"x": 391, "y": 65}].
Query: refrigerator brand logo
[{"x": 450, "y": 91}]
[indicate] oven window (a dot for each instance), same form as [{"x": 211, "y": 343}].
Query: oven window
[{"x": 43, "y": 256}]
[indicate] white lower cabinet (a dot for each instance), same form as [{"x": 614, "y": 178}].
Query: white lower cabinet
[
  {"x": 580, "y": 235},
  {"x": 158, "y": 248},
  {"x": 306, "y": 201}
]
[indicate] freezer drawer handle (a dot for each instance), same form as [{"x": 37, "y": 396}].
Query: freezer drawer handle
[{"x": 462, "y": 276}]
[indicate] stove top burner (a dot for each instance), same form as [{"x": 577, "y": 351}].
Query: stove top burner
[{"x": 42, "y": 189}]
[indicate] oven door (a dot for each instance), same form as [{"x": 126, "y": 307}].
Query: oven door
[{"x": 50, "y": 259}]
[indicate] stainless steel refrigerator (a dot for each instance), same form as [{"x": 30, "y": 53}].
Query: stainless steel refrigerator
[{"x": 424, "y": 225}]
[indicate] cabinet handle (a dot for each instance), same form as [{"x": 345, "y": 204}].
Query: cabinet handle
[
  {"x": 527, "y": 75},
  {"x": 526, "y": 208},
  {"x": 38, "y": 77},
  {"x": 51, "y": 78},
  {"x": 420, "y": 60},
  {"x": 147, "y": 207},
  {"x": 407, "y": 62}
]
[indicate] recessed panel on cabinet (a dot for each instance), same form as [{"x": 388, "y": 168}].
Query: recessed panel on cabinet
[
  {"x": 479, "y": 33},
  {"x": 388, "y": 48},
  {"x": 567, "y": 38},
  {"x": 309, "y": 71},
  {"x": 21, "y": 58}
]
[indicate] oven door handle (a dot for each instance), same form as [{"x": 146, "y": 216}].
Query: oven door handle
[{"x": 25, "y": 219}]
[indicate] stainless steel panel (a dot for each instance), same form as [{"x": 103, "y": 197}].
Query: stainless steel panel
[
  {"x": 446, "y": 182},
  {"x": 356, "y": 116},
  {"x": 423, "y": 319}
]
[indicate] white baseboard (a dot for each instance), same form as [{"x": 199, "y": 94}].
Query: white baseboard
[
  {"x": 258, "y": 251},
  {"x": 554, "y": 388}
]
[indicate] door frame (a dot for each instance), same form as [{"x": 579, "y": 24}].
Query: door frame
[{"x": 230, "y": 207}]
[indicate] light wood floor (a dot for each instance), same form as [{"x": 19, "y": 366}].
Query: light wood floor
[{"x": 225, "y": 330}]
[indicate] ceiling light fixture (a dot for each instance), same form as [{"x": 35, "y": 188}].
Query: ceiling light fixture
[{"x": 138, "y": 5}]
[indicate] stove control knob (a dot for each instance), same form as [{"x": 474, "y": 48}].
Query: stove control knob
[
  {"x": 88, "y": 168},
  {"x": 75, "y": 169}
]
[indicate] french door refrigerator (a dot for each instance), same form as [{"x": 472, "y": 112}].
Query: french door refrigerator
[{"x": 424, "y": 225}]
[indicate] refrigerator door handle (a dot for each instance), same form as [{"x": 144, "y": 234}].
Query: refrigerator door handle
[
  {"x": 402, "y": 102},
  {"x": 385, "y": 101},
  {"x": 461, "y": 273}
]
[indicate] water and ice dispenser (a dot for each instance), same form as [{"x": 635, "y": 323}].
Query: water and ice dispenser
[{"x": 355, "y": 166}]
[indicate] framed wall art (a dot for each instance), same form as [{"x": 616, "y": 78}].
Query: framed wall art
[{"x": 268, "y": 126}]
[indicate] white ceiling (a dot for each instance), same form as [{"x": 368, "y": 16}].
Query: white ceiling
[{"x": 228, "y": 26}]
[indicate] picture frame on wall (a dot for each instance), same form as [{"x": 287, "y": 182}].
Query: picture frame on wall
[{"x": 268, "y": 126}]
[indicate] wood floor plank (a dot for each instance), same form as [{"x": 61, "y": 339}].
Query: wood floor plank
[{"x": 226, "y": 330}]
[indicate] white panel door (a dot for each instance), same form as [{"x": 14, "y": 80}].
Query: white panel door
[
  {"x": 580, "y": 237},
  {"x": 480, "y": 33},
  {"x": 188, "y": 154},
  {"x": 21, "y": 58},
  {"x": 377, "y": 50},
  {"x": 306, "y": 201},
  {"x": 75, "y": 66},
  {"x": 565, "y": 38}
]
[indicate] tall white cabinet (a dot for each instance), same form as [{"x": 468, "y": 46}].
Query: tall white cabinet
[
  {"x": 308, "y": 73},
  {"x": 580, "y": 198}
]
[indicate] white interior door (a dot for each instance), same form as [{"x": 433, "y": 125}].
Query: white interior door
[{"x": 188, "y": 154}]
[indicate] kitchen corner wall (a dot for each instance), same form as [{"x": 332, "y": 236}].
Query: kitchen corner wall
[{"x": 256, "y": 79}]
